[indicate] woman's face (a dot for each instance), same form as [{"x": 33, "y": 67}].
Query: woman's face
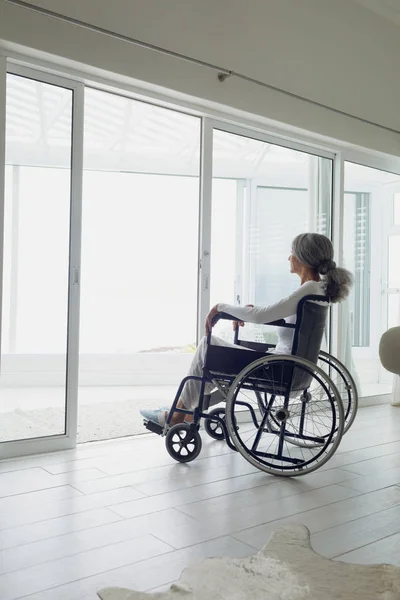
[{"x": 294, "y": 263}]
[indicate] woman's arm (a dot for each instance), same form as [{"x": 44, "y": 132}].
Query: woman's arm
[
  {"x": 258, "y": 314},
  {"x": 214, "y": 312}
]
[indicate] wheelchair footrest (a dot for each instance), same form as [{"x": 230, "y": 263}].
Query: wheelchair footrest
[{"x": 154, "y": 427}]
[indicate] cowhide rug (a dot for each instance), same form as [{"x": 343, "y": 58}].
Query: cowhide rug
[{"x": 287, "y": 568}]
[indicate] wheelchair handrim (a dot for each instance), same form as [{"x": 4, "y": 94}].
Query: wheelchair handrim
[
  {"x": 334, "y": 399},
  {"x": 345, "y": 374}
]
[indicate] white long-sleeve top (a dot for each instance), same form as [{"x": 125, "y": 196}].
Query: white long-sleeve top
[{"x": 284, "y": 309}]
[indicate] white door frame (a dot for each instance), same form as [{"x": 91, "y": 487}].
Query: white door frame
[
  {"x": 269, "y": 139},
  {"x": 205, "y": 209},
  {"x": 389, "y": 229},
  {"x": 67, "y": 440},
  {"x": 3, "y": 79}
]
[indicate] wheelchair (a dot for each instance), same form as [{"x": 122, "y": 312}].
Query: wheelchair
[{"x": 285, "y": 414}]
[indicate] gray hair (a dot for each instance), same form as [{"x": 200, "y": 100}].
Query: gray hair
[{"x": 316, "y": 252}]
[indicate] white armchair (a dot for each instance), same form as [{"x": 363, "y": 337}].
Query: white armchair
[{"x": 389, "y": 354}]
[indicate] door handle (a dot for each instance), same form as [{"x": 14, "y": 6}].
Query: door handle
[{"x": 76, "y": 276}]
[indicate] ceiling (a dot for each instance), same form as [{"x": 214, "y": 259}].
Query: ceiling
[
  {"x": 353, "y": 50},
  {"x": 390, "y": 9}
]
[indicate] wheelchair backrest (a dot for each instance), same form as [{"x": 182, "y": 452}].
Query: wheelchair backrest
[{"x": 310, "y": 327}]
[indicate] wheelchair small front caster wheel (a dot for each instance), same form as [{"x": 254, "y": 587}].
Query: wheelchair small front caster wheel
[
  {"x": 214, "y": 427},
  {"x": 183, "y": 442}
]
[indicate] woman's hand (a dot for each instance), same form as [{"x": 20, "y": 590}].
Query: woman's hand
[
  {"x": 209, "y": 319},
  {"x": 236, "y": 324}
]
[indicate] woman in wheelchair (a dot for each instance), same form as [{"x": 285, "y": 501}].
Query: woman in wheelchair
[{"x": 311, "y": 259}]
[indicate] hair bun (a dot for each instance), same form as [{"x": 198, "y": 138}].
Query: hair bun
[{"x": 326, "y": 266}]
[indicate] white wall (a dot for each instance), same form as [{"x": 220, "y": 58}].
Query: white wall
[{"x": 335, "y": 53}]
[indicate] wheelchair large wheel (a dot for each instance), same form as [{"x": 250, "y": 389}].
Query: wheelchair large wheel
[
  {"x": 183, "y": 442},
  {"x": 345, "y": 384},
  {"x": 302, "y": 400}
]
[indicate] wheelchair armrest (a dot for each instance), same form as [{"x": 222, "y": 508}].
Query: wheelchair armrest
[
  {"x": 215, "y": 320},
  {"x": 279, "y": 322},
  {"x": 224, "y": 316},
  {"x": 258, "y": 346},
  {"x": 228, "y": 317}
]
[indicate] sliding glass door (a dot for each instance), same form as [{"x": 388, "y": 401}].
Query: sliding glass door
[
  {"x": 371, "y": 251},
  {"x": 140, "y": 225},
  {"x": 40, "y": 265}
]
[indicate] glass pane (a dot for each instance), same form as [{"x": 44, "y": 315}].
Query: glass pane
[
  {"x": 394, "y": 261},
  {"x": 227, "y": 202},
  {"x": 371, "y": 253},
  {"x": 393, "y": 310},
  {"x": 396, "y": 208},
  {"x": 36, "y": 254},
  {"x": 263, "y": 196},
  {"x": 139, "y": 260},
  {"x": 282, "y": 214}
]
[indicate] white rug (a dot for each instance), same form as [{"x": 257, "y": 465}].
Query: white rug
[{"x": 285, "y": 569}]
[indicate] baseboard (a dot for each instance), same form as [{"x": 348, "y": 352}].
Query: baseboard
[{"x": 374, "y": 400}]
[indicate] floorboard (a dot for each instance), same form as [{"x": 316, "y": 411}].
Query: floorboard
[{"x": 124, "y": 513}]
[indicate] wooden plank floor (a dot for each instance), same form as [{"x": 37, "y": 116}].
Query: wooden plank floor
[{"x": 123, "y": 513}]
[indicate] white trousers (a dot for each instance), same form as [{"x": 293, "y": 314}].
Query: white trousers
[{"x": 191, "y": 391}]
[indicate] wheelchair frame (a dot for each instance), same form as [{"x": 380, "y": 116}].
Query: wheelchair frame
[{"x": 226, "y": 383}]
